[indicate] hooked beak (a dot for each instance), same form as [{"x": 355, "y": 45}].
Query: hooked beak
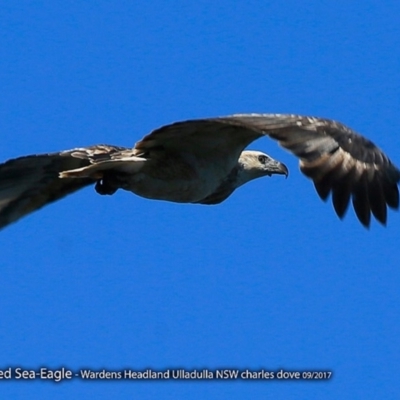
[{"x": 279, "y": 168}]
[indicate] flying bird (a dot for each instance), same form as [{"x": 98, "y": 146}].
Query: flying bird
[{"x": 204, "y": 161}]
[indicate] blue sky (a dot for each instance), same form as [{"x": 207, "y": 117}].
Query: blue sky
[{"x": 270, "y": 279}]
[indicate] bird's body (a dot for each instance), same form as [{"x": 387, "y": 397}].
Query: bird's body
[
  {"x": 176, "y": 179},
  {"x": 167, "y": 178},
  {"x": 205, "y": 161},
  {"x": 179, "y": 177}
]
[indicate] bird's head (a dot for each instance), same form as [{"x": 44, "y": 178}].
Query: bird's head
[{"x": 255, "y": 164}]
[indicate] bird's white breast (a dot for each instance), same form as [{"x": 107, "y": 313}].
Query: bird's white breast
[{"x": 179, "y": 179}]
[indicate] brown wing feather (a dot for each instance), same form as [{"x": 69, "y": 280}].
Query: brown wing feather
[
  {"x": 29, "y": 183},
  {"x": 339, "y": 161},
  {"x": 210, "y": 139}
]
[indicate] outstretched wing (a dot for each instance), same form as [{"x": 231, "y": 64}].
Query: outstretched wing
[
  {"x": 28, "y": 183},
  {"x": 336, "y": 158},
  {"x": 212, "y": 140}
]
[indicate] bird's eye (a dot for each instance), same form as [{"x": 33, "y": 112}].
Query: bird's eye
[{"x": 262, "y": 159}]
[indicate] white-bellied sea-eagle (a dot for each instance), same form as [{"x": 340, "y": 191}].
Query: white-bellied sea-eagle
[{"x": 203, "y": 161}]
